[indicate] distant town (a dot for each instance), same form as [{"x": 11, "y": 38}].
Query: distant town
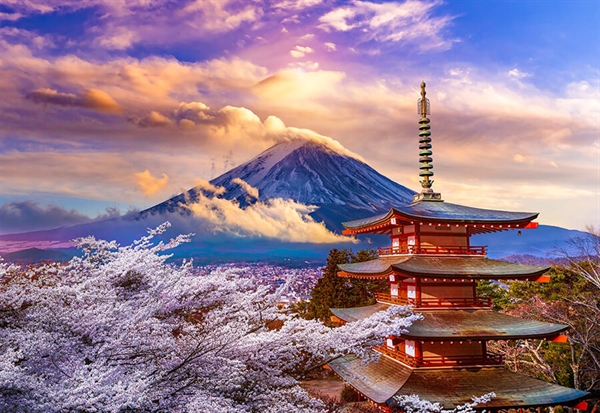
[{"x": 274, "y": 276}]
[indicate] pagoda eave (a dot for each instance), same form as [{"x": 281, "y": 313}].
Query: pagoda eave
[
  {"x": 455, "y": 325},
  {"x": 385, "y": 378},
  {"x": 448, "y": 267},
  {"x": 380, "y": 276},
  {"x": 480, "y": 220}
]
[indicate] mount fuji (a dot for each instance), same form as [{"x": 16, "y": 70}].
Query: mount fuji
[
  {"x": 337, "y": 183},
  {"x": 342, "y": 186}
]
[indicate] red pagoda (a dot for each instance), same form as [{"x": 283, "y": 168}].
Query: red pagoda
[{"x": 432, "y": 266}]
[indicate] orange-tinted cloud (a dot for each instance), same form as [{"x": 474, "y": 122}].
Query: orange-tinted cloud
[
  {"x": 281, "y": 219},
  {"x": 91, "y": 99},
  {"x": 150, "y": 185},
  {"x": 153, "y": 120}
]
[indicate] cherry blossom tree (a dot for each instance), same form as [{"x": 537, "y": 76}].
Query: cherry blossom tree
[{"x": 121, "y": 330}]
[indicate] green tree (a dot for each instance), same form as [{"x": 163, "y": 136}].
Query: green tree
[
  {"x": 496, "y": 291},
  {"x": 569, "y": 298},
  {"x": 333, "y": 291}
]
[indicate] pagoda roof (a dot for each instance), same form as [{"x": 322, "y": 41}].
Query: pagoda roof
[
  {"x": 430, "y": 266},
  {"x": 461, "y": 324},
  {"x": 358, "y": 313},
  {"x": 385, "y": 378},
  {"x": 479, "y": 325},
  {"x": 379, "y": 380},
  {"x": 431, "y": 211},
  {"x": 453, "y": 388}
]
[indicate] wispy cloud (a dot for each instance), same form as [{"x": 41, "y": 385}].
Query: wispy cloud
[{"x": 410, "y": 22}]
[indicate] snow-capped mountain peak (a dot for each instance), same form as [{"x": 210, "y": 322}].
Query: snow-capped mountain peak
[{"x": 310, "y": 172}]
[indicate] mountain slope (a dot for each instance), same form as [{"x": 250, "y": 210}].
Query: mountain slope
[
  {"x": 308, "y": 172},
  {"x": 35, "y": 255}
]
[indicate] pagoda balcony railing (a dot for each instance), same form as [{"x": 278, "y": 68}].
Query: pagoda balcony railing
[
  {"x": 435, "y": 302},
  {"x": 488, "y": 359},
  {"x": 433, "y": 250}
]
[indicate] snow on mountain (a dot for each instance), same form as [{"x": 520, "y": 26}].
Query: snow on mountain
[{"x": 309, "y": 172}]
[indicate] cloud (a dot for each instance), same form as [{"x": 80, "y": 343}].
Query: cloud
[
  {"x": 29, "y": 215},
  {"x": 91, "y": 99},
  {"x": 29, "y": 38},
  {"x": 296, "y": 4},
  {"x": 250, "y": 190},
  {"x": 123, "y": 39},
  {"x": 330, "y": 46},
  {"x": 207, "y": 186},
  {"x": 516, "y": 73},
  {"x": 300, "y": 51},
  {"x": 518, "y": 158},
  {"x": 10, "y": 16},
  {"x": 310, "y": 65},
  {"x": 153, "y": 120},
  {"x": 150, "y": 185},
  {"x": 125, "y": 23},
  {"x": 410, "y": 22},
  {"x": 280, "y": 219},
  {"x": 196, "y": 112}
]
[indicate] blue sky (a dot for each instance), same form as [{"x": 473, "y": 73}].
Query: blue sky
[{"x": 122, "y": 104}]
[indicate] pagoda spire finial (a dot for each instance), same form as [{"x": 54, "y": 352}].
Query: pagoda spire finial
[{"x": 425, "y": 152}]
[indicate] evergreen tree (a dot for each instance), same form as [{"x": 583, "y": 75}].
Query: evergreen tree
[{"x": 333, "y": 291}]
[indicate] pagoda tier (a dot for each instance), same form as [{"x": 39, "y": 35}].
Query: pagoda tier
[
  {"x": 456, "y": 325},
  {"x": 444, "y": 267},
  {"x": 453, "y": 338},
  {"x": 442, "y": 214},
  {"x": 381, "y": 380}
]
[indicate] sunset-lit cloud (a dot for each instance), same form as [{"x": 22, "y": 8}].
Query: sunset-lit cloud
[
  {"x": 188, "y": 90},
  {"x": 149, "y": 184},
  {"x": 91, "y": 99},
  {"x": 153, "y": 120},
  {"x": 281, "y": 219}
]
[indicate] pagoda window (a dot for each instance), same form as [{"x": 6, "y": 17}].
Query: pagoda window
[
  {"x": 393, "y": 342},
  {"x": 411, "y": 291},
  {"x": 409, "y": 348},
  {"x": 394, "y": 290},
  {"x": 412, "y": 240}
]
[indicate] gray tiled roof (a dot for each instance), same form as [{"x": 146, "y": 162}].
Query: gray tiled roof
[
  {"x": 358, "y": 313},
  {"x": 445, "y": 211},
  {"x": 479, "y": 325},
  {"x": 475, "y": 267},
  {"x": 456, "y": 387},
  {"x": 379, "y": 380},
  {"x": 385, "y": 378},
  {"x": 461, "y": 324},
  {"x": 377, "y": 266}
]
